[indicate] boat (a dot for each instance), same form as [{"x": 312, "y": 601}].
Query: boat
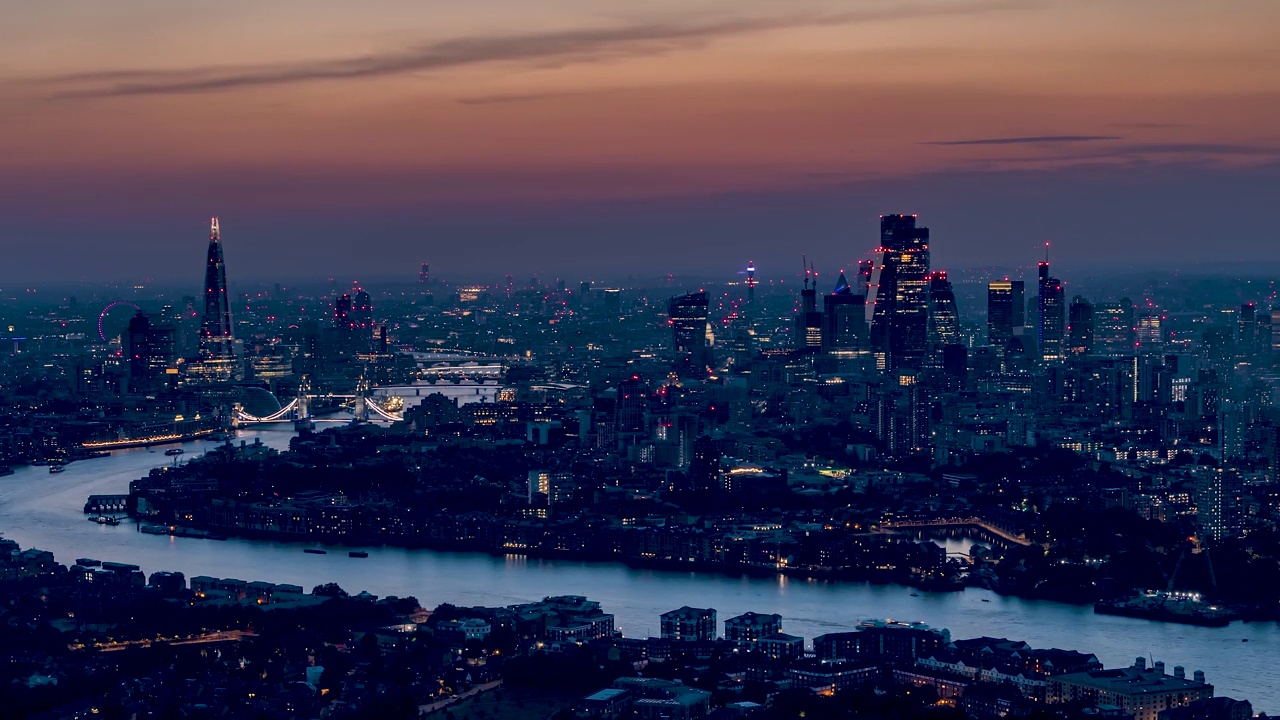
[
  {"x": 174, "y": 451},
  {"x": 1169, "y": 606},
  {"x": 182, "y": 532},
  {"x": 358, "y": 554},
  {"x": 985, "y": 600},
  {"x": 57, "y": 468},
  {"x": 915, "y": 594},
  {"x": 315, "y": 551}
]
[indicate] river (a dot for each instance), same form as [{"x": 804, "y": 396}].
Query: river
[{"x": 43, "y": 510}]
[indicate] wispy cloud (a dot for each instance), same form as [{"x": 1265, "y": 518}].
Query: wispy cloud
[
  {"x": 544, "y": 49},
  {"x": 1149, "y": 125},
  {"x": 528, "y": 97},
  {"x": 1030, "y": 140}
]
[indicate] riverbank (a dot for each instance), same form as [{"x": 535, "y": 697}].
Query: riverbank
[{"x": 44, "y": 511}]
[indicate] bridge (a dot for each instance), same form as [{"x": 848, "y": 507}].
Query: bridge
[
  {"x": 299, "y": 409},
  {"x": 958, "y": 524}
]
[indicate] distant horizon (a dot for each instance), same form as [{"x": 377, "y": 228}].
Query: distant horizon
[{"x": 573, "y": 136}]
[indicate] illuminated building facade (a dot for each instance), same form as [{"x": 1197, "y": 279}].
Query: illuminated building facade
[
  {"x": 1113, "y": 328},
  {"x": 808, "y": 323},
  {"x": 899, "y": 304},
  {"x": 1051, "y": 321},
  {"x": 944, "y": 318},
  {"x": 217, "y": 352}
]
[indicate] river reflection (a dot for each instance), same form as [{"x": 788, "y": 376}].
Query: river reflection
[{"x": 43, "y": 510}]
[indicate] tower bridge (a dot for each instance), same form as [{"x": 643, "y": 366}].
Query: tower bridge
[{"x": 299, "y": 409}]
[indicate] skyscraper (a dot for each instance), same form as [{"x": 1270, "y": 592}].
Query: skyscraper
[
  {"x": 362, "y": 320},
  {"x": 690, "y": 333},
  {"x": 217, "y": 356},
  {"x": 1051, "y": 321},
  {"x": 342, "y": 321},
  {"x": 1113, "y": 328},
  {"x": 844, "y": 323},
  {"x": 752, "y": 282},
  {"x": 424, "y": 273},
  {"x": 900, "y": 306},
  {"x": 944, "y": 319},
  {"x": 1004, "y": 313},
  {"x": 808, "y": 323},
  {"x": 150, "y": 351},
  {"x": 1080, "y": 327}
]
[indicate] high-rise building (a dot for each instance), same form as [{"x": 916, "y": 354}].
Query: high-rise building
[
  {"x": 1275, "y": 334},
  {"x": 342, "y": 321},
  {"x": 150, "y": 351},
  {"x": 844, "y": 324},
  {"x": 1051, "y": 316},
  {"x": 1218, "y": 503},
  {"x": 1005, "y": 314},
  {"x": 1247, "y": 337},
  {"x": 752, "y": 282},
  {"x": 704, "y": 465},
  {"x": 808, "y": 323},
  {"x": 691, "y": 336},
  {"x": 362, "y": 320},
  {"x": 424, "y": 273},
  {"x": 217, "y": 352},
  {"x": 1151, "y": 330},
  {"x": 944, "y": 319},
  {"x": 1113, "y": 328},
  {"x": 362, "y": 311},
  {"x": 899, "y": 306},
  {"x": 1080, "y": 327}
]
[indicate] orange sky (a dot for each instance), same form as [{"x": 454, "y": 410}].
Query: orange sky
[
  {"x": 327, "y": 104},
  {"x": 729, "y": 93}
]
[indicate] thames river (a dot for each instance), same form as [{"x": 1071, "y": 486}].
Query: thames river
[{"x": 43, "y": 510}]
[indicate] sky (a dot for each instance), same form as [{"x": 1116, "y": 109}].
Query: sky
[{"x": 599, "y": 136}]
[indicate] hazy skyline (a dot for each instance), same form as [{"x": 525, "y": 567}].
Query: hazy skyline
[{"x": 570, "y": 134}]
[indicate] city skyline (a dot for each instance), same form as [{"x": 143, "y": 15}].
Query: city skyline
[{"x": 575, "y": 136}]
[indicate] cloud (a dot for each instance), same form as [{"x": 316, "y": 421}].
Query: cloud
[
  {"x": 1149, "y": 125},
  {"x": 528, "y": 97},
  {"x": 1032, "y": 140},
  {"x": 544, "y": 49}
]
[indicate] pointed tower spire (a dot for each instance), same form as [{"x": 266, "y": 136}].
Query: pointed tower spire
[
  {"x": 214, "y": 234},
  {"x": 842, "y": 286}
]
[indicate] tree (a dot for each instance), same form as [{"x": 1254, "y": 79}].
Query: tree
[{"x": 331, "y": 589}]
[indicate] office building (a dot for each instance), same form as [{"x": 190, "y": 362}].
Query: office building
[
  {"x": 899, "y": 306},
  {"x": 691, "y": 336},
  {"x": 1080, "y": 327},
  {"x": 1005, "y": 314},
  {"x": 150, "y": 350},
  {"x": 844, "y": 323},
  {"x": 1050, "y": 321},
  {"x": 944, "y": 319},
  {"x": 1114, "y": 328},
  {"x": 808, "y": 323}
]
